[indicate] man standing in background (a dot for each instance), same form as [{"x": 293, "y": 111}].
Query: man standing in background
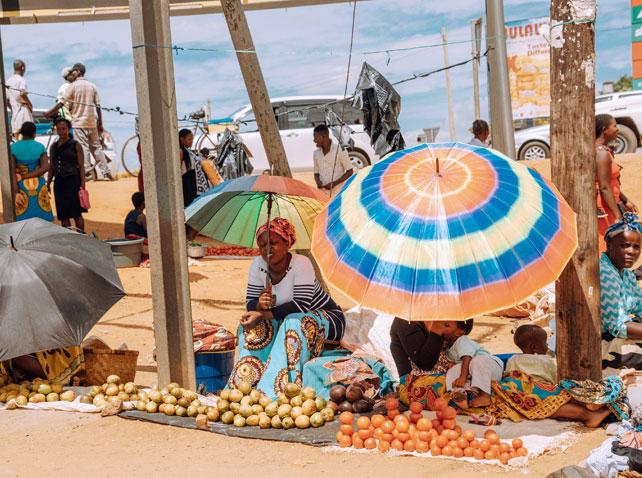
[
  {"x": 17, "y": 99},
  {"x": 69, "y": 76},
  {"x": 86, "y": 118},
  {"x": 332, "y": 164}
]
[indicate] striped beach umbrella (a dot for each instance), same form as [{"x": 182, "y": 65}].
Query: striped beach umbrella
[
  {"x": 444, "y": 231},
  {"x": 232, "y": 211}
]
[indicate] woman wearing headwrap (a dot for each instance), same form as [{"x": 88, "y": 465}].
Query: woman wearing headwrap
[
  {"x": 620, "y": 296},
  {"x": 289, "y": 316}
]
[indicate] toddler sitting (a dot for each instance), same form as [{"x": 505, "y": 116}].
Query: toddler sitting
[
  {"x": 472, "y": 362},
  {"x": 534, "y": 359}
]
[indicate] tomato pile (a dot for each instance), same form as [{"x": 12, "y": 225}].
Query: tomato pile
[
  {"x": 414, "y": 432},
  {"x": 231, "y": 251}
]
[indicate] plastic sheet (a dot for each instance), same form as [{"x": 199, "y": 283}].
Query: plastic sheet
[{"x": 232, "y": 159}]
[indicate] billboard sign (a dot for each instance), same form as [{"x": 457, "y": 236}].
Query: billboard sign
[{"x": 529, "y": 68}]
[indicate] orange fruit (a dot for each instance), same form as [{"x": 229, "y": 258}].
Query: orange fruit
[
  {"x": 403, "y": 437},
  {"x": 474, "y": 444},
  {"x": 363, "y": 423},
  {"x": 495, "y": 447},
  {"x": 387, "y": 437},
  {"x": 447, "y": 451},
  {"x": 478, "y": 454},
  {"x": 488, "y": 432},
  {"x": 458, "y": 452},
  {"x": 468, "y": 451},
  {"x": 377, "y": 420},
  {"x": 452, "y": 434},
  {"x": 469, "y": 435},
  {"x": 504, "y": 447},
  {"x": 493, "y": 438},
  {"x": 378, "y": 433},
  {"x": 409, "y": 446},
  {"x": 441, "y": 442},
  {"x": 392, "y": 403},
  {"x": 416, "y": 407},
  {"x": 415, "y": 417},
  {"x": 490, "y": 455},
  {"x": 435, "y": 423},
  {"x": 449, "y": 413},
  {"x": 462, "y": 442},
  {"x": 346, "y": 418},
  {"x": 517, "y": 443},
  {"x": 424, "y": 436},
  {"x": 401, "y": 418},
  {"x": 388, "y": 426},
  {"x": 396, "y": 445},
  {"x": 370, "y": 444},
  {"x": 338, "y": 436},
  {"x": 439, "y": 404},
  {"x": 422, "y": 447},
  {"x": 484, "y": 445},
  {"x": 522, "y": 451},
  {"x": 435, "y": 451},
  {"x": 439, "y": 415},
  {"x": 452, "y": 444},
  {"x": 393, "y": 413},
  {"x": 346, "y": 429},
  {"x": 384, "y": 446},
  {"x": 449, "y": 424},
  {"x": 423, "y": 425},
  {"x": 357, "y": 442},
  {"x": 504, "y": 457},
  {"x": 364, "y": 434},
  {"x": 402, "y": 427},
  {"x": 345, "y": 441}
]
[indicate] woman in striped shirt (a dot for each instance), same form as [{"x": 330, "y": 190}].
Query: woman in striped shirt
[{"x": 289, "y": 317}]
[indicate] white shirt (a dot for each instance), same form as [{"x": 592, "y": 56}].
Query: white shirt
[
  {"x": 17, "y": 86},
  {"x": 324, "y": 164},
  {"x": 477, "y": 142},
  {"x": 62, "y": 91},
  {"x": 83, "y": 98}
]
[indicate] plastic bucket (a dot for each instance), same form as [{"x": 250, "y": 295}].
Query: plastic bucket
[
  {"x": 126, "y": 252},
  {"x": 213, "y": 369}
]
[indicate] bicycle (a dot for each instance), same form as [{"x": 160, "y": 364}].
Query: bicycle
[{"x": 200, "y": 130}]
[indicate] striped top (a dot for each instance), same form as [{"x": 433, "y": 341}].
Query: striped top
[
  {"x": 299, "y": 291},
  {"x": 620, "y": 298}
]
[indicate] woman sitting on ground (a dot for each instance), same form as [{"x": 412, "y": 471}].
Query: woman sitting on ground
[
  {"x": 64, "y": 366},
  {"x": 620, "y": 296},
  {"x": 288, "y": 321},
  {"x": 421, "y": 356}
]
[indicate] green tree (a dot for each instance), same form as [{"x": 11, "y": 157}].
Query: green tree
[{"x": 625, "y": 83}]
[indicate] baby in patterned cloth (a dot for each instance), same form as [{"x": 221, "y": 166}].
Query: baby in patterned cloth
[
  {"x": 534, "y": 359},
  {"x": 475, "y": 368}
]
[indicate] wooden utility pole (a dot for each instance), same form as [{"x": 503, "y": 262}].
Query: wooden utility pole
[
  {"x": 255, "y": 85},
  {"x": 449, "y": 90},
  {"x": 6, "y": 171},
  {"x": 501, "y": 112},
  {"x": 476, "y": 31},
  {"x": 156, "y": 94},
  {"x": 577, "y": 304}
]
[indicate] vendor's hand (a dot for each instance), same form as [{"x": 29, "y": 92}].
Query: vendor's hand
[
  {"x": 249, "y": 320},
  {"x": 20, "y": 200},
  {"x": 460, "y": 382},
  {"x": 18, "y": 177},
  {"x": 265, "y": 300},
  {"x": 630, "y": 207}
]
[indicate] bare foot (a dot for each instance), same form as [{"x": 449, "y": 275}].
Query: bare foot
[
  {"x": 481, "y": 401},
  {"x": 595, "y": 418}
]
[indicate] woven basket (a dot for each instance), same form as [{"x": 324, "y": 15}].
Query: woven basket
[{"x": 99, "y": 364}]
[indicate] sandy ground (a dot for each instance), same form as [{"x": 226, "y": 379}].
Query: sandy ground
[{"x": 83, "y": 445}]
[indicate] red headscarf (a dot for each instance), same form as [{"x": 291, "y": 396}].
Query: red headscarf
[{"x": 282, "y": 228}]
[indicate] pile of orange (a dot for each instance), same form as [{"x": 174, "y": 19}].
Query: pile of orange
[{"x": 414, "y": 432}]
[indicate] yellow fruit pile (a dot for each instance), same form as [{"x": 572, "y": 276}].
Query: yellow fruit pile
[{"x": 37, "y": 391}]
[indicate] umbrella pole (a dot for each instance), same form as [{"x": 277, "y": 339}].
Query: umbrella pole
[{"x": 269, "y": 213}]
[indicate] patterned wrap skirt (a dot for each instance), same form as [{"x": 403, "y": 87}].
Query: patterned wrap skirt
[{"x": 274, "y": 353}]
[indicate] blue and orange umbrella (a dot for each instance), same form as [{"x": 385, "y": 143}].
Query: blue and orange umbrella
[{"x": 444, "y": 231}]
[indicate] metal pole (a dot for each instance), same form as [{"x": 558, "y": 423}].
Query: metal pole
[
  {"x": 158, "y": 126},
  {"x": 6, "y": 171},
  {"x": 451, "y": 108},
  {"x": 501, "y": 114},
  {"x": 476, "y": 26}
]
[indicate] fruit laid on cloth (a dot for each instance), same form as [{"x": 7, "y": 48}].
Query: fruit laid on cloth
[
  {"x": 113, "y": 392},
  {"x": 350, "y": 399},
  {"x": 248, "y": 407},
  {"x": 415, "y": 433},
  {"x": 37, "y": 391}
]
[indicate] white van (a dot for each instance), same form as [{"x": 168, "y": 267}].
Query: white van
[{"x": 296, "y": 117}]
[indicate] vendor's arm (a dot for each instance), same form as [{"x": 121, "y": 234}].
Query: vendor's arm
[
  {"x": 628, "y": 204},
  {"x": 465, "y": 370},
  {"x": 255, "y": 286}
]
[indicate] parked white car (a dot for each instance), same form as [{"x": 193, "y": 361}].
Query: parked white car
[
  {"x": 625, "y": 107},
  {"x": 296, "y": 117}
]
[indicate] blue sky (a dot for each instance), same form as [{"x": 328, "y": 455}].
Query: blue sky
[{"x": 303, "y": 51}]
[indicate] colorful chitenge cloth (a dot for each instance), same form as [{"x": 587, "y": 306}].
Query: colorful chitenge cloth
[
  {"x": 340, "y": 366},
  {"x": 60, "y": 366},
  {"x": 209, "y": 337},
  {"x": 274, "y": 353},
  {"x": 518, "y": 396}
]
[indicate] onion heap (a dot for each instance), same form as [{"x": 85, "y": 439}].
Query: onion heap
[
  {"x": 349, "y": 399},
  {"x": 295, "y": 408},
  {"x": 414, "y": 432},
  {"x": 37, "y": 391}
]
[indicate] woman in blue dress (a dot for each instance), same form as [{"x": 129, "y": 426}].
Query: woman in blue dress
[{"x": 30, "y": 163}]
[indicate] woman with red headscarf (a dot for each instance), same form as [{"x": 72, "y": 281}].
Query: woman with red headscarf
[{"x": 289, "y": 316}]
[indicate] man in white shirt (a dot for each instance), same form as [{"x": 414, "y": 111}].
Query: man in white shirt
[
  {"x": 332, "y": 164},
  {"x": 481, "y": 132},
  {"x": 17, "y": 99},
  {"x": 86, "y": 118}
]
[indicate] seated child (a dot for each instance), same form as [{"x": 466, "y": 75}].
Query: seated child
[
  {"x": 136, "y": 222},
  {"x": 534, "y": 359},
  {"x": 471, "y": 361}
]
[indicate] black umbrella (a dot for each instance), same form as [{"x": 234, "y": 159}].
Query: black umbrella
[{"x": 54, "y": 286}]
